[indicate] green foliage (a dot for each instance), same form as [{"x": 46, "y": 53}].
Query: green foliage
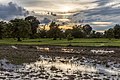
[
  {"x": 42, "y": 33},
  {"x": 20, "y": 28},
  {"x": 98, "y": 35},
  {"x": 109, "y": 33},
  {"x": 67, "y": 32},
  {"x": 113, "y": 32},
  {"x": 52, "y": 24},
  {"x": 54, "y": 32},
  {"x": 2, "y": 29},
  {"x": 8, "y": 30},
  {"x": 87, "y": 30},
  {"x": 34, "y": 24},
  {"x": 117, "y": 31},
  {"x": 69, "y": 37},
  {"x": 77, "y": 32},
  {"x": 63, "y": 42},
  {"x": 93, "y": 34}
]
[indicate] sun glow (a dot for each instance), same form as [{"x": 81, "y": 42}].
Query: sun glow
[{"x": 66, "y": 8}]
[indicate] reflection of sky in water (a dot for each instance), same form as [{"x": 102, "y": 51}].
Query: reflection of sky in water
[
  {"x": 63, "y": 67},
  {"x": 74, "y": 65}
]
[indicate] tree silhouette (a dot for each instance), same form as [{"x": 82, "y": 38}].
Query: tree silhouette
[
  {"x": 87, "y": 29},
  {"x": 2, "y": 27},
  {"x": 34, "y": 24},
  {"x": 117, "y": 31},
  {"x": 20, "y": 28}
]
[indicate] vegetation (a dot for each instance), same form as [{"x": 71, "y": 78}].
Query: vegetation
[
  {"x": 2, "y": 27},
  {"x": 34, "y": 23},
  {"x": 20, "y": 29},
  {"x": 27, "y": 29},
  {"x": 54, "y": 32},
  {"x": 63, "y": 42},
  {"x": 69, "y": 38}
]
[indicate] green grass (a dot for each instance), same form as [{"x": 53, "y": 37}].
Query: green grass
[{"x": 63, "y": 42}]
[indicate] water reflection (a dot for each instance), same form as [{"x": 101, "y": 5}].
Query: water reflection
[
  {"x": 65, "y": 66},
  {"x": 102, "y": 51},
  {"x": 60, "y": 68}
]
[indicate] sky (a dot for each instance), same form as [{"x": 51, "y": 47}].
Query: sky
[{"x": 101, "y": 14}]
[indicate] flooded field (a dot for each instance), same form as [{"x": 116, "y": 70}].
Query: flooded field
[{"x": 62, "y": 67}]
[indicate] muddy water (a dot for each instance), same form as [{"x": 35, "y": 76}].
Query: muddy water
[{"x": 60, "y": 68}]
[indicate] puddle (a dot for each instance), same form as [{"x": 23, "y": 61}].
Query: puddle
[
  {"x": 42, "y": 49},
  {"x": 102, "y": 51},
  {"x": 59, "y": 68}
]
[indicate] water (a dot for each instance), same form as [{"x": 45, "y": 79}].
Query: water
[{"x": 60, "y": 68}]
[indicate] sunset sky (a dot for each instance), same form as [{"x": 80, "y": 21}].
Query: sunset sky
[{"x": 103, "y": 13}]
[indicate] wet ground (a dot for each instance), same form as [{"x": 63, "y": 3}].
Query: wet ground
[{"x": 64, "y": 66}]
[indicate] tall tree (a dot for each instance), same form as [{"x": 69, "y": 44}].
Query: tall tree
[
  {"x": 109, "y": 33},
  {"x": 2, "y": 28},
  {"x": 54, "y": 32},
  {"x": 69, "y": 38},
  {"x": 98, "y": 35},
  {"x": 52, "y": 25},
  {"x": 20, "y": 28},
  {"x": 87, "y": 29},
  {"x": 67, "y": 32},
  {"x": 42, "y": 33},
  {"x": 77, "y": 32},
  {"x": 117, "y": 31},
  {"x": 93, "y": 34},
  {"x": 8, "y": 30},
  {"x": 34, "y": 24}
]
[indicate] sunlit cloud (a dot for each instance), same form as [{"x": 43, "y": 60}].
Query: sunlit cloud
[
  {"x": 101, "y": 14},
  {"x": 57, "y": 5},
  {"x": 101, "y": 23}
]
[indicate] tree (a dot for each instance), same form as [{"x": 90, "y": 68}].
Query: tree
[
  {"x": 8, "y": 30},
  {"x": 93, "y": 34},
  {"x": 2, "y": 27},
  {"x": 42, "y": 33},
  {"x": 117, "y": 31},
  {"x": 53, "y": 24},
  {"x": 69, "y": 38},
  {"x": 54, "y": 32},
  {"x": 34, "y": 24},
  {"x": 67, "y": 32},
  {"x": 77, "y": 32},
  {"x": 98, "y": 35},
  {"x": 20, "y": 28},
  {"x": 109, "y": 33},
  {"x": 87, "y": 29}
]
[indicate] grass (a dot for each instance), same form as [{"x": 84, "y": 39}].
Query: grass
[{"x": 63, "y": 42}]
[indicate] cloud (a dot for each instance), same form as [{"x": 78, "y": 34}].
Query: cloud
[
  {"x": 11, "y": 10},
  {"x": 56, "y": 5},
  {"x": 102, "y": 17},
  {"x": 101, "y": 23},
  {"x": 87, "y": 11}
]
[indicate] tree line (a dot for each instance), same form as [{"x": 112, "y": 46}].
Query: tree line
[
  {"x": 27, "y": 28},
  {"x": 79, "y": 31},
  {"x": 19, "y": 28}
]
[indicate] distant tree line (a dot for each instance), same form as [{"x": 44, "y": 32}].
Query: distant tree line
[
  {"x": 79, "y": 31},
  {"x": 27, "y": 28},
  {"x": 19, "y": 28}
]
